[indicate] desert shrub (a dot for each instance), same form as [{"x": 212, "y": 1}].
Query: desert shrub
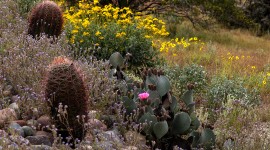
[
  {"x": 233, "y": 122},
  {"x": 113, "y": 29},
  {"x": 222, "y": 87},
  {"x": 181, "y": 77},
  {"x": 102, "y": 89},
  {"x": 25, "y": 6}
]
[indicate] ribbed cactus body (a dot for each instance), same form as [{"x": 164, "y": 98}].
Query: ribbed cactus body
[
  {"x": 46, "y": 17},
  {"x": 64, "y": 84}
]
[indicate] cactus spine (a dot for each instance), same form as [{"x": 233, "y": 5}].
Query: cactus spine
[
  {"x": 46, "y": 17},
  {"x": 64, "y": 84}
]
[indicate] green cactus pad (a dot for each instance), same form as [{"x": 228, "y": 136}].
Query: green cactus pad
[
  {"x": 129, "y": 104},
  {"x": 147, "y": 117},
  {"x": 195, "y": 123},
  {"x": 116, "y": 59},
  {"x": 207, "y": 139},
  {"x": 151, "y": 80},
  {"x": 188, "y": 100},
  {"x": 160, "y": 129},
  {"x": 181, "y": 123},
  {"x": 173, "y": 105},
  {"x": 163, "y": 85},
  {"x": 196, "y": 137},
  {"x": 154, "y": 98},
  {"x": 150, "y": 120}
]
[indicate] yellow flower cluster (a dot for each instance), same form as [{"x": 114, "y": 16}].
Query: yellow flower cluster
[
  {"x": 120, "y": 34},
  {"x": 266, "y": 79},
  {"x": 166, "y": 46},
  {"x": 236, "y": 57},
  {"x": 81, "y": 16},
  {"x": 152, "y": 24}
]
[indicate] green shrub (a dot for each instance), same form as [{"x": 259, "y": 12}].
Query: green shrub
[
  {"x": 98, "y": 30},
  {"x": 115, "y": 38},
  {"x": 181, "y": 77},
  {"x": 222, "y": 87}
]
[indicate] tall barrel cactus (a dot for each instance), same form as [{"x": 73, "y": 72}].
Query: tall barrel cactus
[
  {"x": 64, "y": 85},
  {"x": 46, "y": 17}
]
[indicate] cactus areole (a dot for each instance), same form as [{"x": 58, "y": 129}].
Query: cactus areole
[
  {"x": 46, "y": 17},
  {"x": 64, "y": 84}
]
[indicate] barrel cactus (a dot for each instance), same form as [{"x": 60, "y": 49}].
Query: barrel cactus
[
  {"x": 46, "y": 17},
  {"x": 163, "y": 119},
  {"x": 65, "y": 86}
]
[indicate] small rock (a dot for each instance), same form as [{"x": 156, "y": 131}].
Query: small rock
[
  {"x": 86, "y": 147},
  {"x": 135, "y": 137},
  {"x": 8, "y": 114},
  {"x": 6, "y": 93},
  {"x": 89, "y": 137},
  {"x": 28, "y": 131},
  {"x": 112, "y": 136},
  {"x": 41, "y": 147},
  {"x": 32, "y": 123},
  {"x": 43, "y": 122},
  {"x": 20, "y": 122},
  {"x": 14, "y": 98},
  {"x": 97, "y": 124},
  {"x": 15, "y": 107},
  {"x": 43, "y": 133},
  {"x": 15, "y": 127},
  {"x": 39, "y": 140}
]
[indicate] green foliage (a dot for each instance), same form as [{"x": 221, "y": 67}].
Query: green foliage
[
  {"x": 259, "y": 11},
  {"x": 222, "y": 87},
  {"x": 46, "y": 17},
  {"x": 106, "y": 42},
  {"x": 25, "y": 6},
  {"x": 159, "y": 113},
  {"x": 227, "y": 12},
  {"x": 66, "y": 91},
  {"x": 181, "y": 77}
]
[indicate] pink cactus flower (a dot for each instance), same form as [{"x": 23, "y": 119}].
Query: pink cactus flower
[{"x": 143, "y": 96}]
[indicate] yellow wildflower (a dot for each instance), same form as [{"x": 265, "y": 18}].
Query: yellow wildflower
[
  {"x": 98, "y": 33},
  {"x": 96, "y": 2},
  {"x": 121, "y": 34}
]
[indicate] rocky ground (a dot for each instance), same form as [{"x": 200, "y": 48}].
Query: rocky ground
[{"x": 37, "y": 132}]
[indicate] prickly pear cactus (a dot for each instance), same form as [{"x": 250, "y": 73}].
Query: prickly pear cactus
[
  {"x": 64, "y": 84},
  {"x": 46, "y": 17}
]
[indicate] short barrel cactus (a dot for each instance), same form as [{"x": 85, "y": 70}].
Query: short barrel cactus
[
  {"x": 64, "y": 85},
  {"x": 46, "y": 17}
]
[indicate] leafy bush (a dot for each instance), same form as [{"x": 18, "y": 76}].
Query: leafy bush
[
  {"x": 222, "y": 87},
  {"x": 113, "y": 29},
  {"x": 181, "y": 77}
]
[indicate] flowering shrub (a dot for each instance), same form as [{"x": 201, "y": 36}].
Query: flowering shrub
[{"x": 103, "y": 30}]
